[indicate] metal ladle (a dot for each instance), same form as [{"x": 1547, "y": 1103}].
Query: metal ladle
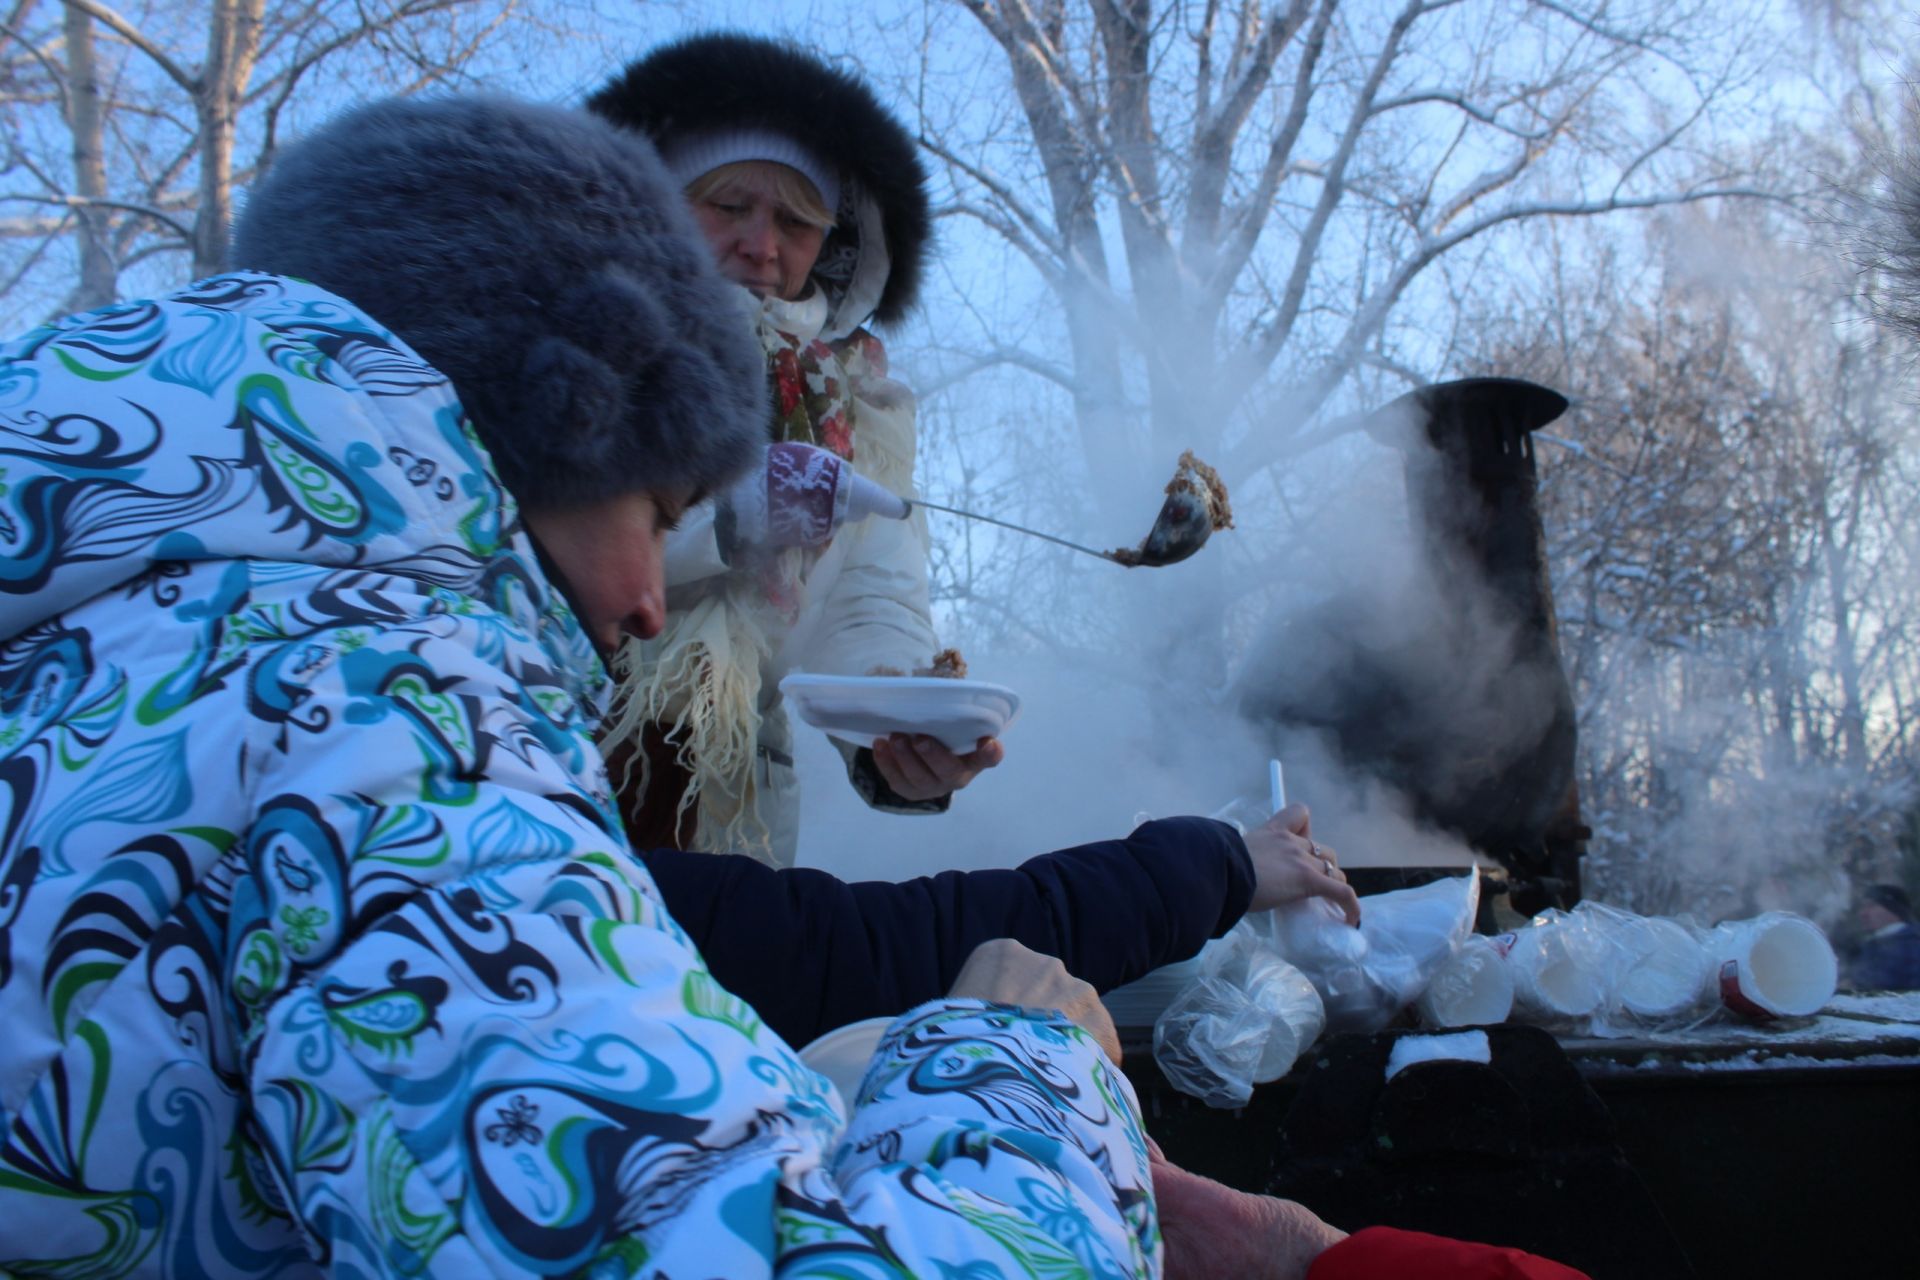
[{"x": 1182, "y": 528}]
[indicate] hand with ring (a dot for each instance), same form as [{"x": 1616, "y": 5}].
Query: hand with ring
[{"x": 1289, "y": 865}]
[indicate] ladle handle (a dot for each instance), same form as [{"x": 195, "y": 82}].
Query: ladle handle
[{"x": 1032, "y": 533}]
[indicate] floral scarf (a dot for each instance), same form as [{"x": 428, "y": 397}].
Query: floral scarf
[
  {"x": 811, "y": 377},
  {"x": 812, "y": 404}
]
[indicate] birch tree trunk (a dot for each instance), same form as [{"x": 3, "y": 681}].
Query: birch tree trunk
[
  {"x": 128, "y": 143},
  {"x": 233, "y": 42},
  {"x": 98, "y": 273}
]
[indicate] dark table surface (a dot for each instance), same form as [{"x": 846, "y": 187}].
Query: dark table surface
[{"x": 1724, "y": 1149}]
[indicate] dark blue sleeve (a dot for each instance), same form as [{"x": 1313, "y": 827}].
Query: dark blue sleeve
[
  {"x": 1889, "y": 964},
  {"x": 812, "y": 952}
]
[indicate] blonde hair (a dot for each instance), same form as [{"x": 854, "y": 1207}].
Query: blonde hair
[{"x": 792, "y": 190}]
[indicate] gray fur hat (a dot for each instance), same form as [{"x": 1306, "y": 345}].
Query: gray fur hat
[{"x": 545, "y": 262}]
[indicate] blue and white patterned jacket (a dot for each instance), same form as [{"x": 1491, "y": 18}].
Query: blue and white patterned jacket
[{"x": 320, "y": 946}]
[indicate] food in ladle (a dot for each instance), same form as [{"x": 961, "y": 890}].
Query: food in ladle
[
  {"x": 1195, "y": 476},
  {"x": 1196, "y": 505}
]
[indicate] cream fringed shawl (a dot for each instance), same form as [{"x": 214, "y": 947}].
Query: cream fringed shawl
[{"x": 699, "y": 680}]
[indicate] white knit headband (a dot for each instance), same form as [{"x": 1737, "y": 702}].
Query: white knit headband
[{"x": 703, "y": 153}]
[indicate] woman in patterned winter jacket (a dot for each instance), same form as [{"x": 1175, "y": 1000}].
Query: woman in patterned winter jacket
[
  {"x": 321, "y": 946},
  {"x": 812, "y": 197}
]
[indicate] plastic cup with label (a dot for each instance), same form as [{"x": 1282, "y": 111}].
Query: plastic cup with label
[{"x": 1778, "y": 965}]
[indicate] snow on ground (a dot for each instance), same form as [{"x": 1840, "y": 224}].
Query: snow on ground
[
  {"x": 1898, "y": 1006},
  {"x": 1855, "y": 1029}
]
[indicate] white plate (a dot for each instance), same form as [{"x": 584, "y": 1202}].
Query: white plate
[{"x": 858, "y": 709}]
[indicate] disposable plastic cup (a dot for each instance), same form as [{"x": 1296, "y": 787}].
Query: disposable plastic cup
[
  {"x": 1669, "y": 969},
  {"x": 1473, "y": 988},
  {"x": 1278, "y": 1055},
  {"x": 1775, "y": 966},
  {"x": 1298, "y": 1018},
  {"x": 1550, "y": 978}
]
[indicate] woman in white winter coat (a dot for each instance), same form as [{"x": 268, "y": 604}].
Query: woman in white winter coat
[{"x": 812, "y": 197}]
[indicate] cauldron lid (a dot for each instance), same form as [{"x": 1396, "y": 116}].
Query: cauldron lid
[{"x": 1513, "y": 403}]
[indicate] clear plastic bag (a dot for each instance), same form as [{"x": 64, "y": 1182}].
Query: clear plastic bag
[
  {"x": 1242, "y": 1020},
  {"x": 1262, "y": 994},
  {"x": 1366, "y": 976},
  {"x": 1563, "y": 965},
  {"x": 1474, "y": 987},
  {"x": 1669, "y": 971},
  {"x": 1608, "y": 972}
]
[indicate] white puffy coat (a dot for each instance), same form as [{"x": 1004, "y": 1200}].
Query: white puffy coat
[{"x": 862, "y": 604}]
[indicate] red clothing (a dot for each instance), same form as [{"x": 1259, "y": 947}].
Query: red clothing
[{"x": 1387, "y": 1253}]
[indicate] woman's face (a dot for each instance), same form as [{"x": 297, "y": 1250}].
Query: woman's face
[
  {"x": 756, "y": 240},
  {"x": 612, "y": 554}
]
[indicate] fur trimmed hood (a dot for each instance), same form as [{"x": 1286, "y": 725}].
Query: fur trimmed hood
[
  {"x": 727, "y": 81},
  {"x": 546, "y": 264}
]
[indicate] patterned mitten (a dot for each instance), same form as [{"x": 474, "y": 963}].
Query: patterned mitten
[{"x": 802, "y": 495}]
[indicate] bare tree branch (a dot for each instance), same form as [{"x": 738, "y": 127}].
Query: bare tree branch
[
  {"x": 1216, "y": 132},
  {"x": 107, "y": 16},
  {"x": 56, "y": 74},
  {"x": 174, "y": 120},
  {"x": 81, "y": 202},
  {"x": 1046, "y": 262},
  {"x": 1238, "y": 246},
  {"x": 1266, "y": 346},
  {"x": 1031, "y": 224},
  {"x": 999, "y": 357},
  {"x": 47, "y": 241}
]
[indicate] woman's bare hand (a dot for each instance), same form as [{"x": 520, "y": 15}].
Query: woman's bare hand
[
  {"x": 1006, "y": 972},
  {"x": 1288, "y": 865},
  {"x": 918, "y": 767}
]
